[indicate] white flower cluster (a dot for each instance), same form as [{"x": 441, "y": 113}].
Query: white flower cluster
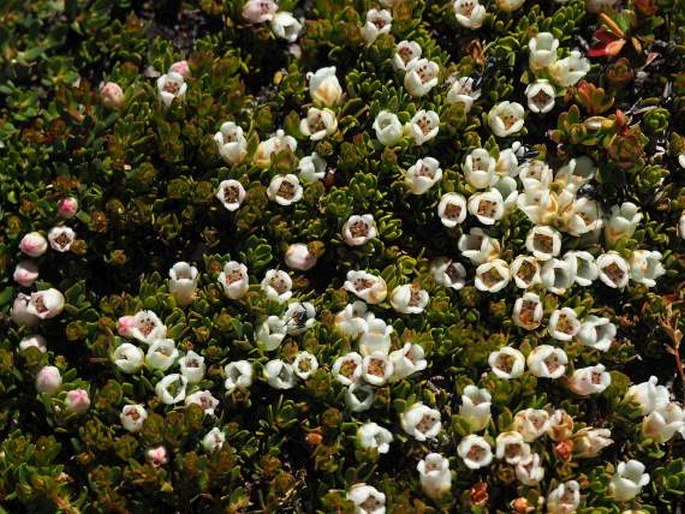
[{"x": 663, "y": 418}]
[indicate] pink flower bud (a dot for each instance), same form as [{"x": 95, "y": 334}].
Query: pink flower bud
[
  {"x": 259, "y": 11},
  {"x": 125, "y": 325},
  {"x": 78, "y": 401},
  {"x": 112, "y": 95},
  {"x": 156, "y": 456},
  {"x": 33, "y": 244},
  {"x": 298, "y": 256},
  {"x": 67, "y": 207},
  {"x": 26, "y": 273},
  {"x": 181, "y": 67},
  {"x": 49, "y": 380}
]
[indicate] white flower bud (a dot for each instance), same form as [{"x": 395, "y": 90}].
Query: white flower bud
[
  {"x": 475, "y": 407},
  {"x": 26, "y": 273},
  {"x": 49, "y": 380},
  {"x": 435, "y": 476},
  {"x": 128, "y": 357},
  {"x": 286, "y": 26},
  {"x": 298, "y": 257},
  {"x": 33, "y": 244},
  {"x": 543, "y": 51},
  {"x": 628, "y": 480},
  {"x": 183, "y": 281},
  {"x": 34, "y": 341},
  {"x": 388, "y": 128}
]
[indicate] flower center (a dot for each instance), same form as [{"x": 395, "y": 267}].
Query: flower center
[
  {"x": 491, "y": 277},
  {"x": 475, "y": 453},
  {"x": 425, "y": 124},
  {"x": 376, "y": 367},
  {"x": 543, "y": 243},
  {"x": 348, "y": 368},
  {"x": 614, "y": 272},
  {"x": 452, "y": 211},
  {"x": 487, "y": 208},
  {"x": 362, "y": 283},
  {"x": 171, "y": 87},
  {"x": 231, "y": 194},
  {"x": 359, "y": 229},
  {"x": 62, "y": 240},
  {"x": 233, "y": 276},
  {"x": 286, "y": 190},
  {"x": 279, "y": 284},
  {"x": 426, "y": 423}
]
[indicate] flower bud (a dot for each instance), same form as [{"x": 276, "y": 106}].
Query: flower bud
[
  {"x": 435, "y": 476},
  {"x": 213, "y": 440},
  {"x": 34, "y": 341},
  {"x": 298, "y": 257},
  {"x": 111, "y": 95},
  {"x": 628, "y": 480},
  {"x": 78, "y": 401},
  {"x": 180, "y": 67},
  {"x": 49, "y": 380},
  {"x": 156, "y": 456},
  {"x": 33, "y": 244},
  {"x": 67, "y": 207},
  {"x": 26, "y": 273}
]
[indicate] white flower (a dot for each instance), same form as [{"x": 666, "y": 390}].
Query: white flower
[
  {"x": 506, "y": 118},
  {"x": 435, "y": 476},
  {"x": 681, "y": 225},
  {"x": 156, "y": 456},
  {"x": 132, "y": 417},
  {"x": 239, "y": 374},
  {"x": 359, "y": 398},
  {"x": 370, "y": 288},
  {"x": 563, "y": 324},
  {"x": 161, "y": 354},
  {"x": 213, "y": 440},
  {"x": 408, "y": 360},
  {"x": 421, "y": 77},
  {"x": 319, "y": 123},
  {"x": 557, "y": 275},
  {"x": 357, "y": 230},
  {"x": 645, "y": 267},
  {"x": 49, "y": 380},
  {"x": 623, "y": 221},
  {"x": 508, "y": 189},
  {"x": 279, "y": 374},
  {"x": 171, "y": 389},
  {"x": 347, "y": 369},
  {"x": 589, "y": 442},
  {"x": 448, "y": 273},
  {"x": 407, "y": 53},
  {"x": 324, "y": 86},
  {"x": 538, "y": 203},
  {"x": 423, "y": 126},
  {"x": 20, "y": 313},
  {"x": 540, "y": 96},
  {"x": 509, "y": 5},
  {"x": 528, "y": 311},
  {"x": 205, "y": 400},
  {"x": 34, "y": 341},
  {"x": 351, "y": 320},
  {"x": 479, "y": 169},
  {"x": 259, "y": 11},
  {"x": 423, "y": 175},
  {"x": 367, "y": 499},
  {"x": 487, "y": 206},
  {"x": 531, "y": 423},
  {"x": 585, "y": 216},
  {"x": 511, "y": 447},
  {"x": 372, "y": 435},
  {"x": 170, "y": 86},
  {"x": 46, "y": 304},
  {"x": 452, "y": 209},
  {"x": 61, "y": 238},
  {"x": 409, "y": 299},
  {"x": 285, "y": 189},
  {"x": 492, "y": 276},
  {"x": 128, "y": 357},
  {"x": 663, "y": 423},
  {"x": 145, "y": 326},
  {"x": 462, "y": 92},
  {"x": 192, "y": 367},
  {"x": 649, "y": 395},
  {"x": 183, "y": 281},
  {"x": 286, "y": 26},
  {"x": 33, "y": 244},
  {"x": 475, "y": 451},
  {"x": 26, "y": 273},
  {"x": 614, "y": 270},
  {"x": 377, "y": 23},
  {"x": 231, "y": 194},
  {"x": 277, "y": 286},
  {"x": 597, "y": 333},
  {"x": 543, "y": 50},
  {"x": 567, "y": 72},
  {"x": 507, "y": 363},
  {"x": 312, "y": 168},
  {"x": 564, "y": 499},
  {"x": 585, "y": 266},
  {"x": 234, "y": 280},
  {"x": 507, "y": 162},
  {"x": 298, "y": 257},
  {"x": 590, "y": 380},
  {"x": 469, "y": 13},
  {"x": 477, "y": 246},
  {"x": 560, "y": 426},
  {"x": 628, "y": 480},
  {"x": 388, "y": 128},
  {"x": 421, "y": 422},
  {"x": 546, "y": 361},
  {"x": 525, "y": 271},
  {"x": 475, "y": 407},
  {"x": 272, "y": 146},
  {"x": 231, "y": 143},
  {"x": 377, "y": 368},
  {"x": 270, "y": 333},
  {"x": 299, "y": 317},
  {"x": 529, "y": 471},
  {"x": 375, "y": 336},
  {"x": 305, "y": 364}
]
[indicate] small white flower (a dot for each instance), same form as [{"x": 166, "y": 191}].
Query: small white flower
[
  {"x": 259, "y": 11},
  {"x": 171, "y": 389},
  {"x": 585, "y": 216},
  {"x": 649, "y": 395},
  {"x": 183, "y": 281},
  {"x": 305, "y": 364},
  {"x": 539, "y": 204},
  {"x": 585, "y": 266},
  {"x": 351, "y": 321},
  {"x": 171, "y": 86},
  {"x": 298, "y": 257},
  {"x": 161, "y": 354},
  {"x": 49, "y": 380},
  {"x": 421, "y": 77},
  {"x": 475, "y": 407},
  {"x": 424, "y": 126},
  {"x": 312, "y": 168},
  {"x": 434, "y": 474},
  {"x": 371, "y": 435},
  {"x": 205, "y": 400},
  {"x": 145, "y": 326},
  {"x": 531, "y": 423},
  {"x": 407, "y": 53},
  {"x": 299, "y": 317},
  {"x": 589, "y": 442},
  {"x": 492, "y": 276},
  {"x": 231, "y": 143},
  {"x": 359, "y": 398},
  {"x": 597, "y": 333},
  {"x": 270, "y": 333},
  {"x": 421, "y": 422},
  {"x": 540, "y": 96},
  {"x": 61, "y": 238},
  {"x": 377, "y": 23},
  {"x": 46, "y": 304},
  {"x": 560, "y": 426},
  {"x": 529, "y": 471},
  {"x": 272, "y": 146},
  {"x": 128, "y": 357},
  {"x": 423, "y": 175},
  {"x": 590, "y": 380},
  {"x": 408, "y": 360},
  {"x": 279, "y": 374},
  {"x": 377, "y": 368},
  {"x": 614, "y": 270},
  {"x": 479, "y": 169},
  {"x": 528, "y": 311},
  {"x": 645, "y": 267},
  {"x": 213, "y": 440},
  {"x": 681, "y": 225},
  {"x": 285, "y": 189},
  {"x": 452, "y": 209},
  {"x": 511, "y": 447},
  {"x": 469, "y": 13},
  {"x": 543, "y": 51},
  {"x": 478, "y": 247},
  {"x": 506, "y": 118},
  {"x": 234, "y": 280},
  {"x": 628, "y": 480},
  {"x": 375, "y": 336},
  {"x": 662, "y": 424},
  {"x": 507, "y": 162},
  {"x": 132, "y": 417},
  {"x": 568, "y": 72},
  {"x": 448, "y": 273},
  {"x": 286, "y": 26},
  {"x": 277, "y": 286},
  {"x": 525, "y": 271},
  {"x": 20, "y": 313},
  {"x": 319, "y": 123},
  {"x": 34, "y": 341},
  {"x": 507, "y": 363},
  {"x": 557, "y": 275},
  {"x": 357, "y": 230},
  {"x": 409, "y": 299},
  {"x": 366, "y": 499},
  {"x": 26, "y": 273},
  {"x": 564, "y": 499},
  {"x": 33, "y": 244},
  {"x": 370, "y": 288},
  {"x": 475, "y": 451},
  {"x": 623, "y": 221},
  {"x": 546, "y": 361},
  {"x": 462, "y": 92},
  {"x": 508, "y": 189},
  {"x": 487, "y": 206},
  {"x": 231, "y": 194},
  {"x": 324, "y": 86},
  {"x": 347, "y": 369},
  {"x": 192, "y": 367},
  {"x": 239, "y": 374},
  {"x": 563, "y": 324},
  {"x": 388, "y": 128}
]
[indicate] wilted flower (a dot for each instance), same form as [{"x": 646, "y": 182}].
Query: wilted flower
[
  {"x": 348, "y": 368},
  {"x": 531, "y": 423},
  {"x": 597, "y": 333},
  {"x": 560, "y": 426},
  {"x": 367, "y": 499},
  {"x": 370, "y": 288},
  {"x": 377, "y": 368},
  {"x": 234, "y": 281},
  {"x": 128, "y": 357},
  {"x": 628, "y": 480},
  {"x": 452, "y": 209},
  {"x": 423, "y": 126},
  {"x": 507, "y": 363},
  {"x": 525, "y": 271},
  {"x": 589, "y": 442},
  {"x": 231, "y": 144},
  {"x": 324, "y": 87},
  {"x": 475, "y": 407},
  {"x": 567, "y": 72},
  {"x": 259, "y": 11},
  {"x": 648, "y": 395},
  {"x": 183, "y": 281},
  {"x": 469, "y": 13},
  {"x": 26, "y": 273},
  {"x": 388, "y": 128},
  {"x": 357, "y": 230},
  {"x": 272, "y": 146},
  {"x": 239, "y": 374},
  {"x": 170, "y": 86},
  {"x": 421, "y": 422},
  {"x": 111, "y": 95},
  {"x": 298, "y": 257},
  {"x": 192, "y": 367},
  {"x": 156, "y": 456},
  {"x": 423, "y": 175},
  {"x": 590, "y": 380},
  {"x": 213, "y": 440},
  {"x": 407, "y": 53},
  {"x": 492, "y": 276},
  {"x": 33, "y": 244},
  {"x": 172, "y": 389},
  {"x": 543, "y": 50},
  {"x": 377, "y": 23},
  {"x": 319, "y": 123},
  {"x": 475, "y": 451},
  {"x": 506, "y": 118},
  {"x": 161, "y": 354},
  {"x": 372, "y": 435},
  {"x": 645, "y": 267},
  {"x": 132, "y": 417},
  {"x": 434, "y": 474},
  {"x": 448, "y": 273},
  {"x": 462, "y": 92},
  {"x": 564, "y": 499},
  {"x": 540, "y": 96},
  {"x": 285, "y": 189},
  {"x": 409, "y": 299},
  {"x": 279, "y": 374},
  {"x": 299, "y": 317},
  {"x": 421, "y": 77},
  {"x": 511, "y": 447},
  {"x": 277, "y": 285},
  {"x": 49, "y": 380},
  {"x": 546, "y": 361},
  {"x": 528, "y": 311},
  {"x": 614, "y": 270},
  {"x": 563, "y": 324},
  {"x": 305, "y": 364},
  {"x": 205, "y": 400},
  {"x": 286, "y": 26}
]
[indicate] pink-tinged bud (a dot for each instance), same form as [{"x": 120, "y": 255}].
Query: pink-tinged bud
[
  {"x": 35, "y": 341},
  {"x": 259, "y": 11},
  {"x": 182, "y": 68},
  {"x": 33, "y": 244},
  {"x": 156, "y": 456},
  {"x": 67, "y": 207},
  {"x": 112, "y": 95},
  {"x": 125, "y": 325},
  {"x": 298, "y": 256},
  {"x": 49, "y": 380},
  {"x": 26, "y": 273},
  {"x": 78, "y": 401}
]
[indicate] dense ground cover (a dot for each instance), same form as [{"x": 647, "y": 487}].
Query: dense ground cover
[{"x": 334, "y": 256}]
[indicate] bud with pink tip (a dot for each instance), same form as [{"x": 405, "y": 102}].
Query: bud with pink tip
[
  {"x": 156, "y": 456},
  {"x": 49, "y": 380},
  {"x": 78, "y": 401},
  {"x": 67, "y": 207},
  {"x": 259, "y": 11},
  {"x": 111, "y": 95},
  {"x": 181, "y": 67},
  {"x": 33, "y": 244},
  {"x": 26, "y": 273},
  {"x": 298, "y": 256},
  {"x": 125, "y": 325},
  {"x": 34, "y": 341}
]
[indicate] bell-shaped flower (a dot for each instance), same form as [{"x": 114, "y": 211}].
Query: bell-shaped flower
[
  {"x": 183, "y": 281},
  {"x": 299, "y": 317},
  {"x": 407, "y": 53},
  {"x": 359, "y": 397},
  {"x": 487, "y": 206},
  {"x": 299, "y": 257},
  {"x": 614, "y": 270},
  {"x": 563, "y": 324},
  {"x": 560, "y": 426},
  {"x": 508, "y": 190},
  {"x": 421, "y": 422},
  {"x": 358, "y": 229},
  {"x": 388, "y": 128},
  {"x": 421, "y": 77},
  {"x": 231, "y": 143},
  {"x": 529, "y": 471},
  {"x": 511, "y": 447},
  {"x": 423, "y": 175},
  {"x": 546, "y": 361},
  {"x": 423, "y": 126},
  {"x": 377, "y": 368},
  {"x": 279, "y": 374},
  {"x": 409, "y": 299},
  {"x": 46, "y": 304},
  {"x": 470, "y": 14},
  {"x": 312, "y": 168},
  {"x": 475, "y": 407},
  {"x": 645, "y": 267},
  {"x": 558, "y": 275},
  {"x": 585, "y": 215},
  {"x": 319, "y": 123},
  {"x": 305, "y": 364},
  {"x": 564, "y": 499},
  {"x": 347, "y": 369},
  {"x": 161, "y": 354},
  {"x": 478, "y": 247},
  {"x": 435, "y": 475},
  {"x": 623, "y": 221},
  {"x": 128, "y": 357},
  {"x": 366, "y": 499},
  {"x": 475, "y": 451},
  {"x": 373, "y": 436},
  {"x": 33, "y": 244},
  {"x": 492, "y": 276},
  {"x": 461, "y": 91},
  {"x": 506, "y": 118},
  {"x": 171, "y": 389},
  {"x": 239, "y": 374},
  {"x": 213, "y": 440},
  {"x": 171, "y": 86},
  {"x": 272, "y": 146},
  {"x": 259, "y": 11},
  {"x": 448, "y": 273},
  {"x": 192, "y": 367},
  {"x": 589, "y": 442},
  {"x": 663, "y": 423},
  {"x": 26, "y": 273},
  {"x": 377, "y": 22},
  {"x": 145, "y": 326},
  {"x": 540, "y": 95},
  {"x": 132, "y": 417},
  {"x": 528, "y": 311},
  {"x": 285, "y": 189},
  {"x": 61, "y": 238},
  {"x": 585, "y": 266},
  {"x": 531, "y": 423},
  {"x": 324, "y": 86},
  {"x": 49, "y": 380},
  {"x": 408, "y": 360},
  {"x": 351, "y": 321},
  {"x": 590, "y": 380},
  {"x": 20, "y": 311},
  {"x": 597, "y": 333},
  {"x": 157, "y": 456},
  {"x": 570, "y": 70},
  {"x": 375, "y": 336},
  {"x": 543, "y": 51},
  {"x": 649, "y": 396},
  {"x": 205, "y": 400},
  {"x": 286, "y": 26},
  {"x": 231, "y": 194},
  {"x": 628, "y": 481},
  {"x": 479, "y": 169},
  {"x": 452, "y": 209},
  {"x": 271, "y": 333},
  {"x": 370, "y": 288},
  {"x": 277, "y": 286},
  {"x": 507, "y": 363},
  {"x": 543, "y": 242},
  {"x": 234, "y": 280},
  {"x": 525, "y": 271}
]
